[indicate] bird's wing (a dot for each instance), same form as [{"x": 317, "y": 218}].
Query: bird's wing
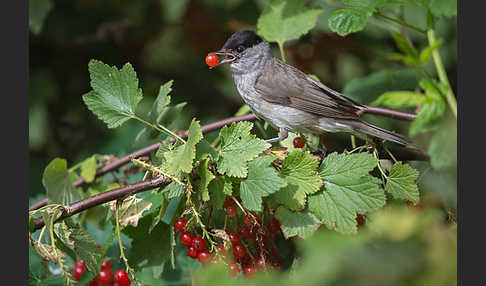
[{"x": 283, "y": 84}]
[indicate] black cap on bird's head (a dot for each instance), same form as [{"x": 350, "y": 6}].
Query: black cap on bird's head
[{"x": 237, "y": 44}]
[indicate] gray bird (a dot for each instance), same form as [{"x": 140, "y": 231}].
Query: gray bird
[{"x": 287, "y": 98}]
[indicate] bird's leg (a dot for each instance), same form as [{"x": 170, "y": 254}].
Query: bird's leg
[{"x": 282, "y": 134}]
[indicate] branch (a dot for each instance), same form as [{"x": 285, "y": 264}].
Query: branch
[
  {"x": 107, "y": 196},
  {"x": 115, "y": 164}
]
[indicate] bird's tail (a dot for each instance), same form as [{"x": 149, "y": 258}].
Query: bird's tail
[{"x": 370, "y": 129}]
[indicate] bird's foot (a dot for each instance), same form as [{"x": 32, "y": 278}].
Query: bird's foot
[{"x": 282, "y": 134}]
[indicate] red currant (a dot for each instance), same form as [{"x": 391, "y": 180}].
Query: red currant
[
  {"x": 80, "y": 263},
  {"x": 199, "y": 243},
  {"x": 106, "y": 265},
  {"x": 78, "y": 272},
  {"x": 186, "y": 239},
  {"x": 273, "y": 225},
  {"x": 233, "y": 237},
  {"x": 361, "y": 220},
  {"x": 249, "y": 271},
  {"x": 93, "y": 282},
  {"x": 212, "y": 60},
  {"x": 121, "y": 278},
  {"x": 238, "y": 251},
  {"x": 299, "y": 142},
  {"x": 234, "y": 269},
  {"x": 221, "y": 250},
  {"x": 192, "y": 252},
  {"x": 260, "y": 263},
  {"x": 231, "y": 211},
  {"x": 105, "y": 277},
  {"x": 252, "y": 220},
  {"x": 180, "y": 225},
  {"x": 244, "y": 231},
  {"x": 204, "y": 256}
]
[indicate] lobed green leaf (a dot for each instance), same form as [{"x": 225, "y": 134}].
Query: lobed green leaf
[
  {"x": 115, "y": 93},
  {"x": 262, "y": 181},
  {"x": 401, "y": 182}
]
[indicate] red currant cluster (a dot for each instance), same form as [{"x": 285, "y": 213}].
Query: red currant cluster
[
  {"x": 105, "y": 277},
  {"x": 196, "y": 245},
  {"x": 252, "y": 243}
]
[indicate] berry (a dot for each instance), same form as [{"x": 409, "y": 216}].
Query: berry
[
  {"x": 105, "y": 277},
  {"x": 199, "y": 243},
  {"x": 260, "y": 263},
  {"x": 231, "y": 211},
  {"x": 221, "y": 250},
  {"x": 204, "y": 256},
  {"x": 121, "y": 278},
  {"x": 238, "y": 251},
  {"x": 228, "y": 202},
  {"x": 180, "y": 225},
  {"x": 249, "y": 270},
  {"x": 299, "y": 142},
  {"x": 192, "y": 252},
  {"x": 78, "y": 272},
  {"x": 244, "y": 231},
  {"x": 186, "y": 239},
  {"x": 93, "y": 282},
  {"x": 234, "y": 269},
  {"x": 80, "y": 263},
  {"x": 106, "y": 265},
  {"x": 252, "y": 220},
  {"x": 233, "y": 237},
  {"x": 273, "y": 225},
  {"x": 212, "y": 60},
  {"x": 361, "y": 220}
]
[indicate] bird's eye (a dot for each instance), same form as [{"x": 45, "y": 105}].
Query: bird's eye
[{"x": 240, "y": 48}]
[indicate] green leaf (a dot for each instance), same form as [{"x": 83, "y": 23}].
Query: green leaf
[
  {"x": 115, "y": 93},
  {"x": 238, "y": 147},
  {"x": 285, "y": 20},
  {"x": 348, "y": 189},
  {"x": 432, "y": 109},
  {"x": 85, "y": 247},
  {"x": 399, "y": 98},
  {"x": 299, "y": 170},
  {"x": 181, "y": 158},
  {"x": 404, "y": 45},
  {"x": 262, "y": 181},
  {"x": 206, "y": 178},
  {"x": 58, "y": 186},
  {"x": 427, "y": 52},
  {"x": 131, "y": 209},
  {"x": 439, "y": 8},
  {"x": 443, "y": 145},
  {"x": 174, "y": 190},
  {"x": 161, "y": 102},
  {"x": 301, "y": 224},
  {"x": 88, "y": 169},
  {"x": 38, "y": 10},
  {"x": 216, "y": 190},
  {"x": 339, "y": 168},
  {"x": 204, "y": 149},
  {"x": 148, "y": 248},
  {"x": 349, "y": 20},
  {"x": 429, "y": 112},
  {"x": 401, "y": 182}
]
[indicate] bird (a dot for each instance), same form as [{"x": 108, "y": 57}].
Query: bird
[{"x": 290, "y": 100}]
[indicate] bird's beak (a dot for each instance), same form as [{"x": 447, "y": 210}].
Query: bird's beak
[{"x": 229, "y": 57}]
